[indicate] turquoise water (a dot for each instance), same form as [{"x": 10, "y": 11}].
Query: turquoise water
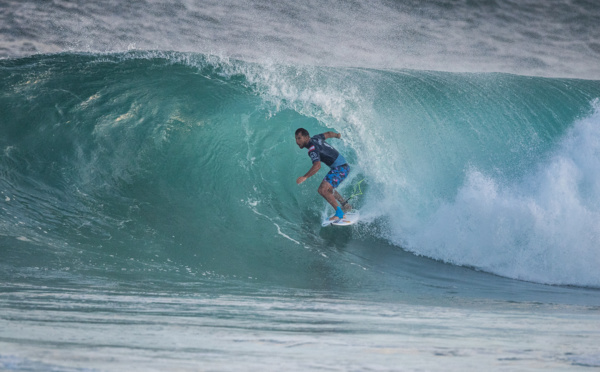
[
  {"x": 138, "y": 155},
  {"x": 150, "y": 218},
  {"x": 156, "y": 192}
]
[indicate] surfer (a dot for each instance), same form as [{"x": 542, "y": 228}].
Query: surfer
[{"x": 320, "y": 151}]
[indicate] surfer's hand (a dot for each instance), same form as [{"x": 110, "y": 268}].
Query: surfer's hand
[{"x": 300, "y": 180}]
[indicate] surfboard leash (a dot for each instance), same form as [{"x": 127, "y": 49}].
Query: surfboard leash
[{"x": 354, "y": 192}]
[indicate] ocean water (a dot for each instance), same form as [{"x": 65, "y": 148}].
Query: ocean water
[{"x": 150, "y": 219}]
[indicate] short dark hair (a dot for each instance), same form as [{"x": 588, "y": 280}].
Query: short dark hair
[{"x": 302, "y": 131}]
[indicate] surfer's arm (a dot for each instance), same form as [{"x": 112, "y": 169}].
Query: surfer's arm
[
  {"x": 332, "y": 135},
  {"x": 311, "y": 172}
]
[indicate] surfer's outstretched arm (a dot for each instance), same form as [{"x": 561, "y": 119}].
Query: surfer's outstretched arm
[
  {"x": 311, "y": 172},
  {"x": 332, "y": 135}
]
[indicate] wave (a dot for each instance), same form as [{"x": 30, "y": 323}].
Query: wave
[{"x": 147, "y": 162}]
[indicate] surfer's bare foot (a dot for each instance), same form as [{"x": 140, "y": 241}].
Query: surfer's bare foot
[{"x": 339, "y": 214}]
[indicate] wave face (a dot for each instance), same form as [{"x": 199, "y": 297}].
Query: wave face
[{"x": 147, "y": 164}]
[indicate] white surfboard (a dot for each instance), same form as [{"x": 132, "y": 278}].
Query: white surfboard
[{"x": 350, "y": 218}]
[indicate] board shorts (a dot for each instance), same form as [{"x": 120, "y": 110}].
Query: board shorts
[{"x": 337, "y": 175}]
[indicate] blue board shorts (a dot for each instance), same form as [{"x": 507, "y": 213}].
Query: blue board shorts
[{"x": 337, "y": 175}]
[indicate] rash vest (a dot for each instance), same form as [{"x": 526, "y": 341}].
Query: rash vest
[{"x": 319, "y": 150}]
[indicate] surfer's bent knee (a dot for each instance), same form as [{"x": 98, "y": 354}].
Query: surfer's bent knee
[{"x": 324, "y": 188}]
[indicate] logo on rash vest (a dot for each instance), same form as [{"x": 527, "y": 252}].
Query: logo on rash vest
[{"x": 312, "y": 148}]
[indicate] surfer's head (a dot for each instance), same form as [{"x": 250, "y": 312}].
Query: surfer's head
[{"x": 302, "y": 137}]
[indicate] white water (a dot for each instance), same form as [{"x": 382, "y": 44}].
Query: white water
[{"x": 543, "y": 228}]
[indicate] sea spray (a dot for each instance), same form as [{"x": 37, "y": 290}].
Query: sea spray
[{"x": 542, "y": 227}]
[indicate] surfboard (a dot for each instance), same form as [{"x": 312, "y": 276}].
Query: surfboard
[{"x": 349, "y": 219}]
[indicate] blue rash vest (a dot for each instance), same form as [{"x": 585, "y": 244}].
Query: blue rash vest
[{"x": 319, "y": 150}]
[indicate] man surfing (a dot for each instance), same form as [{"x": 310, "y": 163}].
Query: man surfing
[{"x": 320, "y": 151}]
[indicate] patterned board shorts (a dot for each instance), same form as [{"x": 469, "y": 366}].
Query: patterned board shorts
[{"x": 337, "y": 175}]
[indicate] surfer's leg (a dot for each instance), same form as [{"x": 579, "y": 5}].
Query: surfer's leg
[
  {"x": 338, "y": 197},
  {"x": 327, "y": 188},
  {"x": 336, "y": 176},
  {"x": 326, "y": 191},
  {"x": 345, "y": 205}
]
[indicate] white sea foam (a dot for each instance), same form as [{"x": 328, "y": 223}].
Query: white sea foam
[{"x": 544, "y": 228}]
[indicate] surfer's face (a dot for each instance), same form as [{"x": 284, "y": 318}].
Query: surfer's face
[{"x": 301, "y": 140}]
